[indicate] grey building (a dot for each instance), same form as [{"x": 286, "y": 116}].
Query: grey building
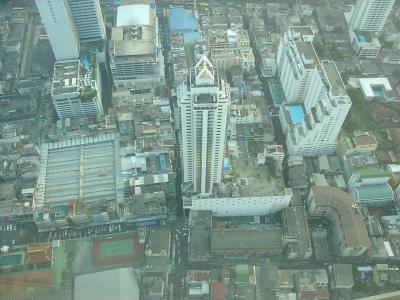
[{"x": 88, "y": 19}]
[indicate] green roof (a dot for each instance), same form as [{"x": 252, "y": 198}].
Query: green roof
[
  {"x": 382, "y": 192},
  {"x": 242, "y": 273},
  {"x": 371, "y": 172}
]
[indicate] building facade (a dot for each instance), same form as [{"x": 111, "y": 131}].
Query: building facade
[
  {"x": 72, "y": 96},
  {"x": 348, "y": 228},
  {"x": 318, "y": 99},
  {"x": 136, "y": 59},
  {"x": 370, "y": 15},
  {"x": 59, "y": 24},
  {"x": 203, "y": 104},
  {"x": 88, "y": 19}
]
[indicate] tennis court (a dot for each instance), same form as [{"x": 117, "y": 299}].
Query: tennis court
[{"x": 116, "y": 248}]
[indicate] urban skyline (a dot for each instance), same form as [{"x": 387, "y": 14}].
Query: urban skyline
[{"x": 204, "y": 150}]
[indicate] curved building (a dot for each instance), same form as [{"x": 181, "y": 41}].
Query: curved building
[{"x": 348, "y": 227}]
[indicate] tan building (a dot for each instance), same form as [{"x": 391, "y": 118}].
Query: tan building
[
  {"x": 349, "y": 144},
  {"x": 348, "y": 227}
]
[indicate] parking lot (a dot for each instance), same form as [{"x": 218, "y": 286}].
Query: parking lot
[{"x": 66, "y": 234}]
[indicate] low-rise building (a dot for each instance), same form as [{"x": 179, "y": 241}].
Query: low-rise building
[
  {"x": 356, "y": 143},
  {"x": 342, "y": 276},
  {"x": 79, "y": 182},
  {"x": 295, "y": 228},
  {"x": 312, "y": 284},
  {"x": 378, "y": 87},
  {"x": 247, "y": 241},
  {"x": 350, "y": 235}
]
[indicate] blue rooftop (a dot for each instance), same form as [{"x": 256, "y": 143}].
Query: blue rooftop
[
  {"x": 362, "y": 39},
  {"x": 296, "y": 113},
  {"x": 189, "y": 37},
  {"x": 180, "y": 20}
]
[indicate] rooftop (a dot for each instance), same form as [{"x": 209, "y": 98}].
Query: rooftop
[
  {"x": 135, "y": 15},
  {"x": 66, "y": 77},
  {"x": 343, "y": 274},
  {"x": 374, "y": 192},
  {"x": 368, "y": 85},
  {"x": 158, "y": 242},
  {"x": 247, "y": 179},
  {"x": 83, "y": 169},
  {"x": 132, "y": 41},
  {"x": 364, "y": 140},
  {"x": 200, "y": 218},
  {"x": 119, "y": 284},
  {"x": 308, "y": 54},
  {"x": 180, "y": 20},
  {"x": 371, "y": 171},
  {"x": 297, "y": 228},
  {"x": 336, "y": 84},
  {"x": 352, "y": 223},
  {"x": 246, "y": 239}
]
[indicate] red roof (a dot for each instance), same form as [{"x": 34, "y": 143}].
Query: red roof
[
  {"x": 198, "y": 276},
  {"x": 36, "y": 254},
  {"x": 218, "y": 291}
]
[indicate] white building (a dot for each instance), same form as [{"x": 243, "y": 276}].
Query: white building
[
  {"x": 370, "y": 15},
  {"x": 241, "y": 206},
  {"x": 319, "y": 99},
  {"x": 366, "y": 44},
  {"x": 73, "y": 94},
  {"x": 203, "y": 104},
  {"x": 58, "y": 21},
  {"x": 297, "y": 61},
  {"x": 88, "y": 19}
]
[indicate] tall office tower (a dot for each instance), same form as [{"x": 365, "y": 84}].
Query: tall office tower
[
  {"x": 74, "y": 94},
  {"x": 370, "y": 15},
  {"x": 203, "y": 104},
  {"x": 88, "y": 19},
  {"x": 60, "y": 28},
  {"x": 318, "y": 101}
]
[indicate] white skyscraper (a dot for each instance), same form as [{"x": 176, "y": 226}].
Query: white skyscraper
[
  {"x": 203, "y": 104},
  {"x": 88, "y": 19},
  {"x": 370, "y": 15},
  {"x": 60, "y": 28},
  {"x": 318, "y": 101}
]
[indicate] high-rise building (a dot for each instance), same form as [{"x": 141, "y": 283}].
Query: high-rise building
[
  {"x": 370, "y": 15},
  {"x": 135, "y": 49},
  {"x": 88, "y": 19},
  {"x": 73, "y": 93},
  {"x": 203, "y": 104},
  {"x": 318, "y": 101},
  {"x": 58, "y": 21}
]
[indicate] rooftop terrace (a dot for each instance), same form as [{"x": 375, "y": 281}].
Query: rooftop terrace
[
  {"x": 309, "y": 56},
  {"x": 247, "y": 179}
]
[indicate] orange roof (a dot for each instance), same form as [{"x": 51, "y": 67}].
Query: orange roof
[
  {"x": 17, "y": 283},
  {"x": 36, "y": 254},
  {"x": 218, "y": 291}
]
